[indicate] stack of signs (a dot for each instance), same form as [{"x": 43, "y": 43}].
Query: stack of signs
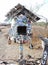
[{"x": 21, "y": 21}]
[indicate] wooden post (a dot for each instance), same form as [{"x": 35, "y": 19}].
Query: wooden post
[{"x": 21, "y": 48}]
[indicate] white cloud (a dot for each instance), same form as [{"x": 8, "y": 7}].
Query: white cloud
[{"x": 43, "y": 11}]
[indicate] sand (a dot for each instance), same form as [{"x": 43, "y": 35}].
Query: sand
[{"x": 11, "y": 52}]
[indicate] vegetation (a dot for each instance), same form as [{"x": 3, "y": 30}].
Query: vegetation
[{"x": 40, "y": 24}]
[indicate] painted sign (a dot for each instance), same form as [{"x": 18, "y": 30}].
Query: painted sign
[{"x": 45, "y": 57}]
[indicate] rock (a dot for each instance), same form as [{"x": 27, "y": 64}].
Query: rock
[
  {"x": 31, "y": 46},
  {"x": 1, "y": 61},
  {"x": 9, "y": 40},
  {"x": 22, "y": 62},
  {"x": 4, "y": 62},
  {"x": 0, "y": 30},
  {"x": 12, "y": 64}
]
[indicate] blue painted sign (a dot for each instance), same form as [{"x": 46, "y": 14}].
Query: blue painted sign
[{"x": 21, "y": 48}]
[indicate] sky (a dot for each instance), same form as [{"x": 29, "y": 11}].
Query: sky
[
  {"x": 37, "y": 6},
  {"x": 43, "y": 11}
]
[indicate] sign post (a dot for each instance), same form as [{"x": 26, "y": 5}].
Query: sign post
[{"x": 21, "y": 47}]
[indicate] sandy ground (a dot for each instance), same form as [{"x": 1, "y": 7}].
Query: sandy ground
[{"x": 12, "y": 51}]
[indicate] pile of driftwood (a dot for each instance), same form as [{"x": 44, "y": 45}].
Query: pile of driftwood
[
  {"x": 28, "y": 61},
  {"x": 24, "y": 62},
  {"x": 2, "y": 62}
]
